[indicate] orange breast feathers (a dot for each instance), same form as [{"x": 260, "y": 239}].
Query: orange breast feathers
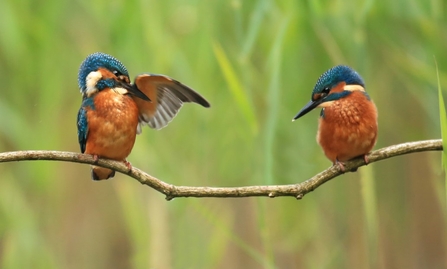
[
  {"x": 348, "y": 127},
  {"x": 112, "y": 125}
]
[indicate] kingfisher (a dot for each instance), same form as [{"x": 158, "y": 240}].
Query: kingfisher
[
  {"x": 113, "y": 110},
  {"x": 348, "y": 118}
]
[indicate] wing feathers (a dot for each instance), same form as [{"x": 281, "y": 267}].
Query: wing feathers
[{"x": 170, "y": 96}]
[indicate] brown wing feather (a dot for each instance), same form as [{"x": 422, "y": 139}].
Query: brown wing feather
[{"x": 167, "y": 96}]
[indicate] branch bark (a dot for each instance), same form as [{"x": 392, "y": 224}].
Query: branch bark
[{"x": 297, "y": 190}]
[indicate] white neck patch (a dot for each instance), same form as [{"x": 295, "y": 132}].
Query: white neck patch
[
  {"x": 121, "y": 91},
  {"x": 352, "y": 88},
  {"x": 90, "y": 81}
]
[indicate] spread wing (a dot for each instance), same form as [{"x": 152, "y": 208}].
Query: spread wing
[
  {"x": 82, "y": 128},
  {"x": 167, "y": 96}
]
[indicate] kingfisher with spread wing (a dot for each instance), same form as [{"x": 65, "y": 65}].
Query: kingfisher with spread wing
[{"x": 113, "y": 110}]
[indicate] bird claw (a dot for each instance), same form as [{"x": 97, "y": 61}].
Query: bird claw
[
  {"x": 95, "y": 159},
  {"x": 128, "y": 165},
  {"x": 340, "y": 165},
  {"x": 365, "y": 158}
]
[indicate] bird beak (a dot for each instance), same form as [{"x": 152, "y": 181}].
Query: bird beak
[
  {"x": 133, "y": 90},
  {"x": 308, "y": 107}
]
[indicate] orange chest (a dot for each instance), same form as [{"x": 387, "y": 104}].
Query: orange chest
[
  {"x": 113, "y": 115},
  {"x": 348, "y": 128},
  {"x": 112, "y": 125},
  {"x": 354, "y": 110},
  {"x": 112, "y": 107}
]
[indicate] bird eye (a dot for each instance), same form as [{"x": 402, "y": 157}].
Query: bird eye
[
  {"x": 120, "y": 76},
  {"x": 325, "y": 92}
]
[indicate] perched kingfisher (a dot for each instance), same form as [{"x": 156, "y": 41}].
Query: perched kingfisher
[
  {"x": 348, "y": 118},
  {"x": 113, "y": 110}
]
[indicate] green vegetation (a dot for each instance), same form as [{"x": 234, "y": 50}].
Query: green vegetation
[{"x": 256, "y": 62}]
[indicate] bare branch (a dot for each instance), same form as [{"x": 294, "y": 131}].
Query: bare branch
[{"x": 171, "y": 191}]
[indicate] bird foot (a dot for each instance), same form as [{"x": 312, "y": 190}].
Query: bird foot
[
  {"x": 128, "y": 165},
  {"x": 365, "y": 158},
  {"x": 95, "y": 158},
  {"x": 340, "y": 165}
]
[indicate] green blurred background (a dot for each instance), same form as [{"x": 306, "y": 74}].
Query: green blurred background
[{"x": 256, "y": 62}]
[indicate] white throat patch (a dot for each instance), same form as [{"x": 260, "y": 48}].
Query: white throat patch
[
  {"x": 121, "y": 91},
  {"x": 354, "y": 88},
  {"x": 90, "y": 81}
]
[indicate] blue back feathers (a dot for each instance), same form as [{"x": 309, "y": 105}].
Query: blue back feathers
[
  {"x": 93, "y": 62},
  {"x": 335, "y": 75},
  {"x": 82, "y": 122}
]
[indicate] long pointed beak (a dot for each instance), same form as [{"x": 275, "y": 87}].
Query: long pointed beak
[
  {"x": 307, "y": 108},
  {"x": 132, "y": 89}
]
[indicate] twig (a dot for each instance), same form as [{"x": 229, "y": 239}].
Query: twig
[{"x": 171, "y": 191}]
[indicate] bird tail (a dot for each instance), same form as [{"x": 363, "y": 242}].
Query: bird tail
[{"x": 100, "y": 173}]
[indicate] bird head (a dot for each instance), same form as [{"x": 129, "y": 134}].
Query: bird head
[
  {"x": 100, "y": 71},
  {"x": 334, "y": 84}
]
